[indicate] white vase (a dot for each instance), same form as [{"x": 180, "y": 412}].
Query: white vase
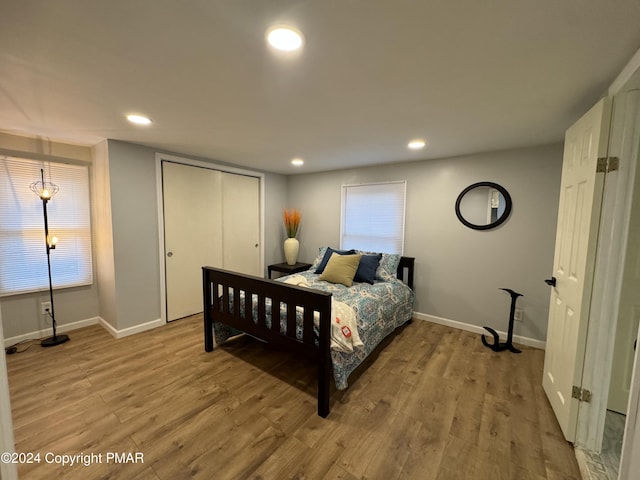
[{"x": 291, "y": 247}]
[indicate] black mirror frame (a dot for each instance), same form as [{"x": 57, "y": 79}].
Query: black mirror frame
[{"x": 499, "y": 221}]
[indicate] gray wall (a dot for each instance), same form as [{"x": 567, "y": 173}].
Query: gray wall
[
  {"x": 134, "y": 215},
  {"x": 458, "y": 270},
  {"x": 103, "y": 234},
  {"x": 276, "y": 195},
  {"x": 134, "y": 212},
  {"x": 126, "y": 289}
]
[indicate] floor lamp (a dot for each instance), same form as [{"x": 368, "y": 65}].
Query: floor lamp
[{"x": 46, "y": 191}]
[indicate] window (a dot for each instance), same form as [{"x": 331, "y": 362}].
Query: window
[
  {"x": 23, "y": 256},
  {"x": 373, "y": 217}
]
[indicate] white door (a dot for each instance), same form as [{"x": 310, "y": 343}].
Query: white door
[
  {"x": 241, "y": 220},
  {"x": 628, "y": 316},
  {"x": 578, "y": 222},
  {"x": 626, "y": 332},
  {"x": 8, "y": 470},
  {"x": 193, "y": 233},
  {"x": 629, "y": 307}
]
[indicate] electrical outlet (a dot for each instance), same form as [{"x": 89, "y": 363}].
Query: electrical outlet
[
  {"x": 518, "y": 314},
  {"x": 45, "y": 307}
]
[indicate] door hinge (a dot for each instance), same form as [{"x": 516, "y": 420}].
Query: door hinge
[
  {"x": 581, "y": 394},
  {"x": 601, "y": 167},
  {"x": 607, "y": 164}
]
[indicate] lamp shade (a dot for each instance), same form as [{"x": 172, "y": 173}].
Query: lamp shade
[{"x": 45, "y": 190}]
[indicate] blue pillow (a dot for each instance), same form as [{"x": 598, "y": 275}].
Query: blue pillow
[
  {"x": 367, "y": 268},
  {"x": 327, "y": 255},
  {"x": 388, "y": 268}
]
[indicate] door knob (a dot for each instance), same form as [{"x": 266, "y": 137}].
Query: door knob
[
  {"x": 551, "y": 281},
  {"x": 169, "y": 254}
]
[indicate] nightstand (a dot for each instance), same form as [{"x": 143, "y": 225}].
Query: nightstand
[{"x": 288, "y": 269}]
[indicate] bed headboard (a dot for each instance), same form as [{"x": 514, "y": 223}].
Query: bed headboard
[{"x": 405, "y": 270}]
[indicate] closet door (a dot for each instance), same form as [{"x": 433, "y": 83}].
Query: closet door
[
  {"x": 241, "y": 223},
  {"x": 192, "y": 233}
]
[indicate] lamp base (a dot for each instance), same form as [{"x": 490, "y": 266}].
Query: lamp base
[{"x": 53, "y": 341}]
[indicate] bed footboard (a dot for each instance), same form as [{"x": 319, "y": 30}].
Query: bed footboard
[{"x": 229, "y": 298}]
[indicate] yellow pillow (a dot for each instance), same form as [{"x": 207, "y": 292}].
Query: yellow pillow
[{"x": 341, "y": 269}]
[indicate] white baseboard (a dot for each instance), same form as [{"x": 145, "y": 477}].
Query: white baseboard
[
  {"x": 68, "y": 327},
  {"x": 125, "y": 332},
  {"x": 530, "y": 342},
  {"x": 47, "y": 332}
]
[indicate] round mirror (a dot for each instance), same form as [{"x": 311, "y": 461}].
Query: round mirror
[{"x": 483, "y": 205}]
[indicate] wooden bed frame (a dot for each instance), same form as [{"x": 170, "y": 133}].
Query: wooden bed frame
[{"x": 226, "y": 285}]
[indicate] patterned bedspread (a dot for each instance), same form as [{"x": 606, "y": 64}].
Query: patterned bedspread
[{"x": 380, "y": 308}]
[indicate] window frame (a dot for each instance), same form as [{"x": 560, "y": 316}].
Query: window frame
[
  {"x": 74, "y": 221},
  {"x": 344, "y": 192}
]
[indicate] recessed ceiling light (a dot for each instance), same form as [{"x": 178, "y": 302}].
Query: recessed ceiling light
[
  {"x": 139, "y": 119},
  {"x": 297, "y": 162},
  {"x": 284, "y": 38},
  {"x": 416, "y": 144}
]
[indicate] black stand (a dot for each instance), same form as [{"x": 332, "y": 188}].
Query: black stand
[
  {"x": 508, "y": 345},
  {"x": 56, "y": 339}
]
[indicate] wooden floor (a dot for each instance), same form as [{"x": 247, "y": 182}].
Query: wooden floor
[{"x": 433, "y": 404}]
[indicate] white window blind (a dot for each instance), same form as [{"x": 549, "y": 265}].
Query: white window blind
[
  {"x": 373, "y": 217},
  {"x": 23, "y": 256}
]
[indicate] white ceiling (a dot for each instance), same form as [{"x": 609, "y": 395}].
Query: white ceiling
[{"x": 467, "y": 75}]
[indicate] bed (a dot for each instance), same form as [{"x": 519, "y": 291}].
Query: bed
[{"x": 309, "y": 309}]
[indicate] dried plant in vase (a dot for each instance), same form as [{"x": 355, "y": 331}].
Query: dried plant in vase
[{"x": 291, "y": 244}]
